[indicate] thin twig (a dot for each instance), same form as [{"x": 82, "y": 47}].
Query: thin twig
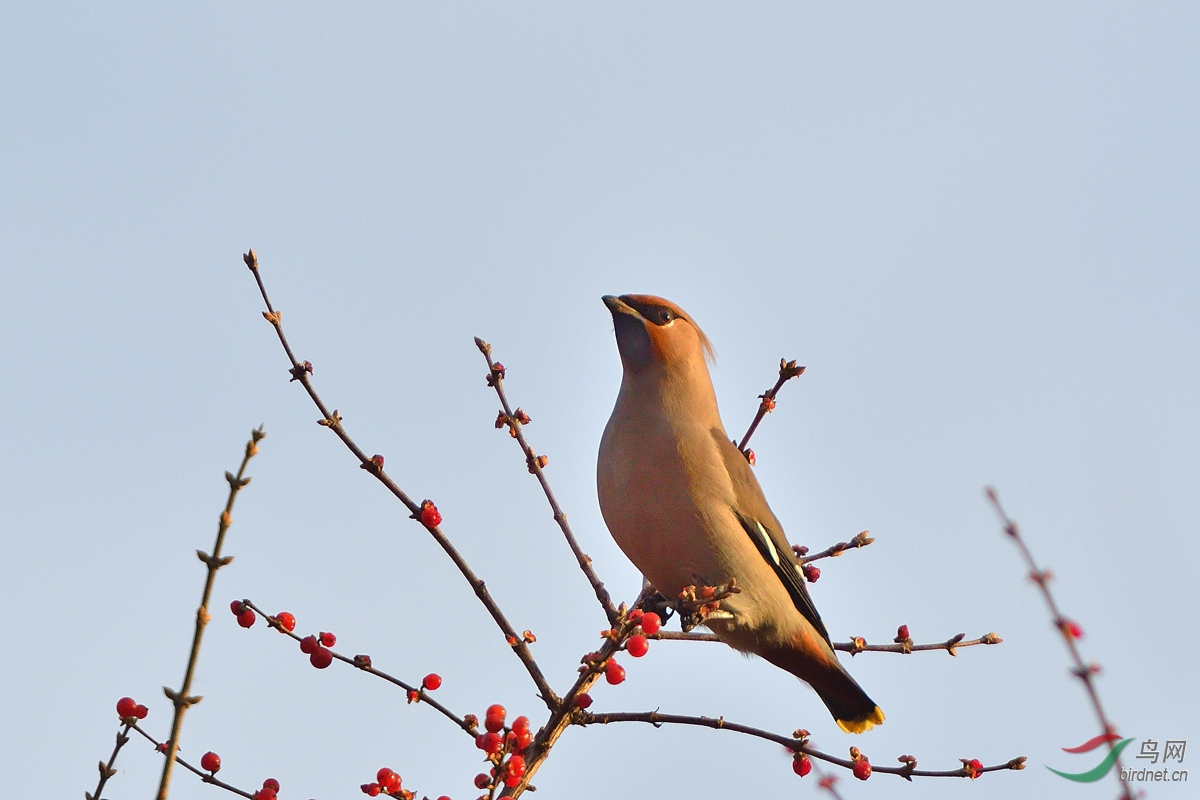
[
  {"x": 1085, "y": 672},
  {"x": 515, "y": 420},
  {"x": 364, "y": 664},
  {"x": 207, "y": 777},
  {"x": 828, "y": 782},
  {"x": 858, "y": 645},
  {"x": 106, "y": 770},
  {"x": 300, "y": 371},
  {"x": 787, "y": 371},
  {"x": 182, "y": 700},
  {"x": 861, "y": 539},
  {"x": 793, "y": 743}
]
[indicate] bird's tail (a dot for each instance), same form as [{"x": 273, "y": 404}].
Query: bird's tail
[{"x": 850, "y": 706}]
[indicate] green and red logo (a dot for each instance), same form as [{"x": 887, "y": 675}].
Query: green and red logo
[{"x": 1100, "y": 770}]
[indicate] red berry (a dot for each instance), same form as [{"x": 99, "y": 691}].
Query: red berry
[
  {"x": 126, "y": 708},
  {"x": 490, "y": 743},
  {"x": 272, "y": 784},
  {"x": 801, "y": 765},
  {"x": 431, "y": 682},
  {"x": 246, "y": 618},
  {"x": 494, "y": 718},
  {"x": 321, "y": 658},
  {"x": 583, "y": 700},
  {"x": 430, "y": 516},
  {"x": 637, "y": 645},
  {"x": 811, "y": 574},
  {"x": 389, "y": 781},
  {"x": 236, "y": 607},
  {"x": 140, "y": 711},
  {"x": 1072, "y": 629},
  {"x": 862, "y": 769},
  {"x": 309, "y": 645},
  {"x": 511, "y": 780},
  {"x": 522, "y": 740},
  {"x": 614, "y": 673},
  {"x": 482, "y": 781},
  {"x": 210, "y": 761},
  {"x": 521, "y": 725},
  {"x": 286, "y": 621},
  {"x": 328, "y": 639},
  {"x": 651, "y": 622},
  {"x": 264, "y": 794},
  {"x": 902, "y": 632},
  {"x": 516, "y": 765},
  {"x": 371, "y": 789},
  {"x": 443, "y": 797}
]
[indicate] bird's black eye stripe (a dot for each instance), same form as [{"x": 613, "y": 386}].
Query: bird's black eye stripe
[{"x": 659, "y": 315}]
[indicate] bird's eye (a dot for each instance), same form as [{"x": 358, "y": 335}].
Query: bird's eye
[{"x": 665, "y": 316}]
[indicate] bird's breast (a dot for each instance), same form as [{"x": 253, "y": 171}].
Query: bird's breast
[{"x": 661, "y": 490}]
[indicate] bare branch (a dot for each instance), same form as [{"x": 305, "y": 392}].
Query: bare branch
[
  {"x": 300, "y": 371},
  {"x": 787, "y": 371},
  {"x": 515, "y": 421},
  {"x": 860, "y": 540},
  {"x": 106, "y": 770},
  {"x": 182, "y": 700},
  {"x": 857, "y": 644},
  {"x": 1069, "y": 630},
  {"x": 207, "y": 777},
  {"x": 795, "y": 743}
]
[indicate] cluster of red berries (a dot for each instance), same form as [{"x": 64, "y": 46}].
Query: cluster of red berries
[
  {"x": 269, "y": 790},
  {"x": 128, "y": 708},
  {"x": 496, "y": 742},
  {"x": 387, "y": 781},
  {"x": 243, "y": 612},
  {"x": 638, "y": 644},
  {"x": 317, "y": 649}
]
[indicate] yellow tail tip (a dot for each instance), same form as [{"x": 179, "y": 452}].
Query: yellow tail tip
[{"x": 862, "y": 724}]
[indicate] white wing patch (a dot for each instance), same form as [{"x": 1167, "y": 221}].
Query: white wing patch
[{"x": 766, "y": 537}]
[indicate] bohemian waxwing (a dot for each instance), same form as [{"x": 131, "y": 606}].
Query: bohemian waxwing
[{"x": 684, "y": 505}]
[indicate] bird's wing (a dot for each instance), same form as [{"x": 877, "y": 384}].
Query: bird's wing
[{"x": 765, "y": 531}]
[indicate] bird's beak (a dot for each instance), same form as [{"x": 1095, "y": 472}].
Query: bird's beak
[
  {"x": 618, "y": 306},
  {"x": 633, "y": 340}
]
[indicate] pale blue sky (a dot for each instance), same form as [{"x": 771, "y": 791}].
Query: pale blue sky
[{"x": 976, "y": 226}]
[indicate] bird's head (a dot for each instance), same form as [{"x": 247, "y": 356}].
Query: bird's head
[{"x": 656, "y": 333}]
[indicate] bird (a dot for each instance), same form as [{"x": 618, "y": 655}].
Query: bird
[{"x": 683, "y": 504}]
